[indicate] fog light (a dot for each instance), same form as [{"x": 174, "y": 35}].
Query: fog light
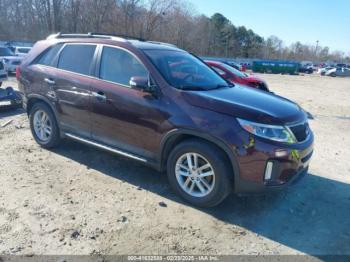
[{"x": 268, "y": 170}]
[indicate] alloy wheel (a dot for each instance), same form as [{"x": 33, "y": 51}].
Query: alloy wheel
[
  {"x": 195, "y": 174},
  {"x": 42, "y": 125}
]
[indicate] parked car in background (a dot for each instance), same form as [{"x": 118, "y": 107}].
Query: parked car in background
[
  {"x": 21, "y": 50},
  {"x": 322, "y": 71},
  {"x": 338, "y": 71},
  {"x": 308, "y": 69},
  {"x": 3, "y": 73},
  {"x": 237, "y": 77},
  {"x": 234, "y": 65},
  {"x": 11, "y": 61}
]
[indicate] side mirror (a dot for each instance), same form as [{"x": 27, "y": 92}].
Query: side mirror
[{"x": 141, "y": 82}]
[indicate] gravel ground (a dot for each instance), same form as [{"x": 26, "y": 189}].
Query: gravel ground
[{"x": 79, "y": 200}]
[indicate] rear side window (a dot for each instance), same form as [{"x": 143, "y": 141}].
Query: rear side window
[
  {"x": 47, "y": 58},
  {"x": 77, "y": 58}
]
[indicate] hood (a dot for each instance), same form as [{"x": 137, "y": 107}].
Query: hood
[{"x": 248, "y": 103}]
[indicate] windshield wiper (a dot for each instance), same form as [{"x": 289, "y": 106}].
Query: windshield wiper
[
  {"x": 224, "y": 85},
  {"x": 194, "y": 88},
  {"x": 200, "y": 88}
]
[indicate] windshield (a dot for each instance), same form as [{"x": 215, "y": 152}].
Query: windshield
[
  {"x": 4, "y": 51},
  {"x": 185, "y": 71},
  {"x": 234, "y": 70}
]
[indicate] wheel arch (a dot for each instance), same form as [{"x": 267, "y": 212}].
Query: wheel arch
[
  {"x": 35, "y": 98},
  {"x": 174, "y": 137}
]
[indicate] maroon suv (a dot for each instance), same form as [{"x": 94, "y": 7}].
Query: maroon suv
[{"x": 160, "y": 105}]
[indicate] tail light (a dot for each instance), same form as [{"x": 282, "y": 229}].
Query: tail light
[{"x": 18, "y": 72}]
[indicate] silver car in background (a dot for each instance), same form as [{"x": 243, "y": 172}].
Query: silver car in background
[
  {"x": 22, "y": 51},
  {"x": 339, "y": 71},
  {"x": 10, "y": 60}
]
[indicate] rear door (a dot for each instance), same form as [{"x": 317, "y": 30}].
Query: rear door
[{"x": 68, "y": 83}]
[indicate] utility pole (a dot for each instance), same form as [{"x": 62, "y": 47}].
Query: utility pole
[{"x": 316, "y": 48}]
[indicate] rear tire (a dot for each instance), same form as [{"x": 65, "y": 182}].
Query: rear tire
[
  {"x": 47, "y": 136},
  {"x": 217, "y": 186}
]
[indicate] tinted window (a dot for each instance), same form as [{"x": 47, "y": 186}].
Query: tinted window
[
  {"x": 77, "y": 58},
  {"x": 23, "y": 50},
  {"x": 48, "y": 57},
  {"x": 119, "y": 66},
  {"x": 4, "y": 51}
]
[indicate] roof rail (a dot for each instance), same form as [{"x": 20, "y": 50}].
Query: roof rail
[
  {"x": 161, "y": 43},
  {"x": 93, "y": 35},
  {"x": 118, "y": 35}
]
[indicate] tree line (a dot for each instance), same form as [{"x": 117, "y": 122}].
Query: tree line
[{"x": 171, "y": 21}]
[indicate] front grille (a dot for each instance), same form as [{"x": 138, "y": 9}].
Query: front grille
[
  {"x": 300, "y": 131},
  {"x": 16, "y": 62}
]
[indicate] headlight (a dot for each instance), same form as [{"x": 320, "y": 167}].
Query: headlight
[
  {"x": 271, "y": 132},
  {"x": 6, "y": 60}
]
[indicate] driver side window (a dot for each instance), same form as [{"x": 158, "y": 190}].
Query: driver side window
[{"x": 119, "y": 66}]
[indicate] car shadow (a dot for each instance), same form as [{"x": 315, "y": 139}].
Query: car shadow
[{"x": 312, "y": 216}]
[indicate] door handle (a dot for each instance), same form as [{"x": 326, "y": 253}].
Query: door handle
[
  {"x": 49, "y": 81},
  {"x": 100, "y": 96}
]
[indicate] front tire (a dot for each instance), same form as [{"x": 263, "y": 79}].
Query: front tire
[
  {"x": 199, "y": 173},
  {"x": 44, "y": 126}
]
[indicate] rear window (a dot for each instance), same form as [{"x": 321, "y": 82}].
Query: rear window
[
  {"x": 77, "y": 58},
  {"x": 48, "y": 57},
  {"x": 23, "y": 50}
]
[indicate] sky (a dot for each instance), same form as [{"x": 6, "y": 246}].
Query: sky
[{"x": 307, "y": 21}]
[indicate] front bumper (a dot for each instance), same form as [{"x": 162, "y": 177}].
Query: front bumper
[{"x": 288, "y": 164}]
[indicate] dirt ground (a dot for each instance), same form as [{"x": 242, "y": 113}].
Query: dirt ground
[{"x": 79, "y": 200}]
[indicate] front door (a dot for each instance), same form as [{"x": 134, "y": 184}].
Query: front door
[{"x": 124, "y": 117}]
